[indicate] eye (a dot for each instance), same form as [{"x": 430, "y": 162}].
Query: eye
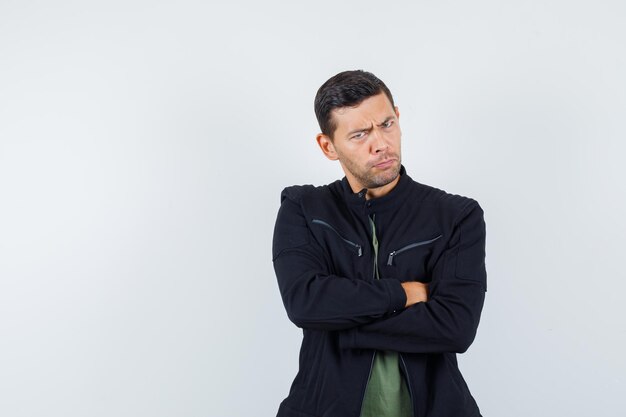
[
  {"x": 387, "y": 124},
  {"x": 358, "y": 135}
]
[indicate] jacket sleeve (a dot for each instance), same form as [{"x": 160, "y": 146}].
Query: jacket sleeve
[
  {"x": 448, "y": 321},
  {"x": 313, "y": 297}
]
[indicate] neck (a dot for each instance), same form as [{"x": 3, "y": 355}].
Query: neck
[{"x": 373, "y": 192}]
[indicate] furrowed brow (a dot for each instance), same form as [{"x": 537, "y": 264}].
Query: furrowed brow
[
  {"x": 363, "y": 129},
  {"x": 386, "y": 120}
]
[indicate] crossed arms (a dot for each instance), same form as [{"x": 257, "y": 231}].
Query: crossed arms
[{"x": 387, "y": 313}]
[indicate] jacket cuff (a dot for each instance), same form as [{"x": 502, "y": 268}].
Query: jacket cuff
[{"x": 397, "y": 295}]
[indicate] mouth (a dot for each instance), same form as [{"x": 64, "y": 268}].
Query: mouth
[{"x": 384, "y": 163}]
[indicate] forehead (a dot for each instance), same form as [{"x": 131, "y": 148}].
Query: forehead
[{"x": 373, "y": 109}]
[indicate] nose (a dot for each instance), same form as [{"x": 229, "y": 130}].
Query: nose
[{"x": 379, "y": 144}]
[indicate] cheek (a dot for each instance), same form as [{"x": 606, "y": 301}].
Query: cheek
[{"x": 394, "y": 137}]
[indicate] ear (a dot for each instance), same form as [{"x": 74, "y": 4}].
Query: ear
[
  {"x": 327, "y": 147},
  {"x": 397, "y": 112}
]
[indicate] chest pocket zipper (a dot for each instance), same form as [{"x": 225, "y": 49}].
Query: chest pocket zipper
[
  {"x": 356, "y": 246},
  {"x": 407, "y": 247}
]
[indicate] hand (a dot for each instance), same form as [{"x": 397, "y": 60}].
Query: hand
[{"x": 416, "y": 292}]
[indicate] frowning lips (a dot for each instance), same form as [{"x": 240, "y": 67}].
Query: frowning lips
[{"x": 385, "y": 162}]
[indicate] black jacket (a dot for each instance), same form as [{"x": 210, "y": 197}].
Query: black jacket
[{"x": 324, "y": 263}]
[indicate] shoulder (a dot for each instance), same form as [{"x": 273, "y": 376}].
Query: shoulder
[
  {"x": 300, "y": 194},
  {"x": 451, "y": 205},
  {"x": 296, "y": 193},
  {"x": 460, "y": 218},
  {"x": 296, "y": 202}
]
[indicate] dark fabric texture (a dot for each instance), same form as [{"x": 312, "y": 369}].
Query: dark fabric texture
[{"x": 324, "y": 266}]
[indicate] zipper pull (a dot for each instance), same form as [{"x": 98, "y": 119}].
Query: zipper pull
[
  {"x": 390, "y": 259},
  {"x": 360, "y": 250}
]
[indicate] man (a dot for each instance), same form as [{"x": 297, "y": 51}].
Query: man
[{"x": 385, "y": 276}]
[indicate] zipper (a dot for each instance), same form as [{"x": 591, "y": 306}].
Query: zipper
[
  {"x": 375, "y": 274},
  {"x": 407, "y": 247},
  {"x": 354, "y": 245},
  {"x": 367, "y": 383},
  {"x": 374, "y": 277},
  {"x": 408, "y": 381}
]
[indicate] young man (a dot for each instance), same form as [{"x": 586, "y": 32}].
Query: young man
[{"x": 386, "y": 276}]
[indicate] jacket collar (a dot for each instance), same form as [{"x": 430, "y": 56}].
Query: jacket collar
[{"x": 392, "y": 199}]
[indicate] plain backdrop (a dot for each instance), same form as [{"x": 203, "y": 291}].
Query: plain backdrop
[{"x": 144, "y": 145}]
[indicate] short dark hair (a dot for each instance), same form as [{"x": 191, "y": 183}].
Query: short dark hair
[{"x": 346, "y": 89}]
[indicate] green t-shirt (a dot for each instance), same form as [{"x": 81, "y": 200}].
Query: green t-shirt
[{"x": 386, "y": 394}]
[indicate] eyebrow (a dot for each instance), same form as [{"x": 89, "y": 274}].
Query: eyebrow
[{"x": 367, "y": 129}]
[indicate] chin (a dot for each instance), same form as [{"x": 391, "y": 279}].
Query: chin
[{"x": 385, "y": 178}]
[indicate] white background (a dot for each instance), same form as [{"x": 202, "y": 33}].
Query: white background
[{"x": 144, "y": 145}]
